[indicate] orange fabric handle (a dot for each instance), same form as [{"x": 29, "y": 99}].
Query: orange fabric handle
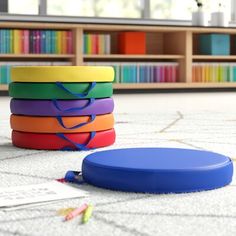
[{"x": 51, "y": 125}]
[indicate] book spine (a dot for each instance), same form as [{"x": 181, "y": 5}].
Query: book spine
[
  {"x": 26, "y": 41},
  {"x": 69, "y": 42},
  {"x": 48, "y": 41},
  {"x": 16, "y": 41}
]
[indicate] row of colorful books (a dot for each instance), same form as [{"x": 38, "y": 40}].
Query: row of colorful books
[
  {"x": 5, "y": 68},
  {"x": 214, "y": 72},
  {"x": 35, "y": 41},
  {"x": 96, "y": 43},
  {"x": 143, "y": 72}
]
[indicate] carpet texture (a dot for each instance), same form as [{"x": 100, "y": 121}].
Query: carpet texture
[{"x": 204, "y": 121}]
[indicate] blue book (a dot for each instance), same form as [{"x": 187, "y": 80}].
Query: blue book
[
  {"x": 145, "y": 68},
  {"x": 84, "y": 44},
  {"x": 9, "y": 74},
  {"x": 151, "y": 74},
  {"x": 148, "y": 70},
  {"x": 234, "y": 73},
  {"x": 4, "y": 41},
  {"x": 51, "y": 46},
  {"x": 53, "y": 41},
  {"x": 42, "y": 41},
  {"x": 125, "y": 74},
  {"x": 134, "y": 74},
  {"x": 142, "y": 74},
  {"x": 130, "y": 74},
  {"x": 8, "y": 41},
  {"x": 47, "y": 48},
  {"x": 1, "y": 41}
]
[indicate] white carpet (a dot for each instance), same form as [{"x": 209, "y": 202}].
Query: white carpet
[{"x": 205, "y": 121}]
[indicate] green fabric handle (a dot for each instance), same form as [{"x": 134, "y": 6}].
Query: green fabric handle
[{"x": 52, "y": 91}]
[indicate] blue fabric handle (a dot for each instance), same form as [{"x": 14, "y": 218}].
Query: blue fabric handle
[
  {"x": 74, "y": 177},
  {"x": 90, "y": 102},
  {"x": 78, "y": 146},
  {"x": 59, "y": 119},
  {"x": 79, "y": 95}
]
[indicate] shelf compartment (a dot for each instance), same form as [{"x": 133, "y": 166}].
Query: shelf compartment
[{"x": 157, "y": 43}]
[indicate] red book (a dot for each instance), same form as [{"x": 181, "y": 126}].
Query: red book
[
  {"x": 37, "y": 41},
  {"x": 162, "y": 74},
  {"x": 166, "y": 78},
  {"x": 132, "y": 43},
  {"x": 34, "y": 41},
  {"x": 93, "y": 43},
  {"x": 26, "y": 42},
  {"x": 21, "y": 41},
  {"x": 69, "y": 46},
  {"x": 96, "y": 44},
  {"x": 173, "y": 74}
]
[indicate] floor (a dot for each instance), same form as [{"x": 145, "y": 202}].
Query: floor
[{"x": 202, "y": 121}]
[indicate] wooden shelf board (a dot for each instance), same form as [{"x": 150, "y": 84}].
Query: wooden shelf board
[
  {"x": 3, "y": 87},
  {"x": 213, "y": 57},
  {"x": 121, "y": 56},
  {"x": 159, "y": 28},
  {"x": 37, "y": 55},
  {"x": 227, "y": 30},
  {"x": 173, "y": 85},
  {"x": 37, "y": 25}
]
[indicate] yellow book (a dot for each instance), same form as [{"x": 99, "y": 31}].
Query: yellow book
[
  {"x": 214, "y": 73},
  {"x": 207, "y": 74},
  {"x": 210, "y": 75},
  {"x": 203, "y": 73},
  {"x": 197, "y": 70},
  {"x": 59, "y": 42},
  {"x": 100, "y": 44},
  {"x": 89, "y": 43},
  {"x": 16, "y": 41},
  {"x": 193, "y": 73},
  {"x": 220, "y": 74},
  {"x": 63, "y": 42}
]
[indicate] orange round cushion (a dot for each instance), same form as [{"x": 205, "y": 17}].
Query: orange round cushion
[{"x": 35, "y": 124}]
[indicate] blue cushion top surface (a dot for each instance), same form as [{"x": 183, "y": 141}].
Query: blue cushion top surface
[{"x": 158, "y": 159}]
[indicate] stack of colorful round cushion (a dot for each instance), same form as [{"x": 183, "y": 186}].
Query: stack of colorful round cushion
[{"x": 62, "y": 107}]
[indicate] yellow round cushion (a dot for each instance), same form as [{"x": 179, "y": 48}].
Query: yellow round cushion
[{"x": 62, "y": 74}]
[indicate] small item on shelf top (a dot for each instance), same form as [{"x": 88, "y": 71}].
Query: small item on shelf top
[{"x": 199, "y": 3}]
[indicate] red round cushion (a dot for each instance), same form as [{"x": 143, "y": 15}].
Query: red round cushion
[{"x": 54, "y": 142}]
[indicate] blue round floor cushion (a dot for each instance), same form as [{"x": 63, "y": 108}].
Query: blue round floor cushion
[{"x": 157, "y": 170}]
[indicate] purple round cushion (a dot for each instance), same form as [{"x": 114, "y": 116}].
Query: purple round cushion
[{"x": 62, "y": 107}]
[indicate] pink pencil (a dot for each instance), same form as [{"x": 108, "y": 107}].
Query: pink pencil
[{"x": 76, "y": 212}]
